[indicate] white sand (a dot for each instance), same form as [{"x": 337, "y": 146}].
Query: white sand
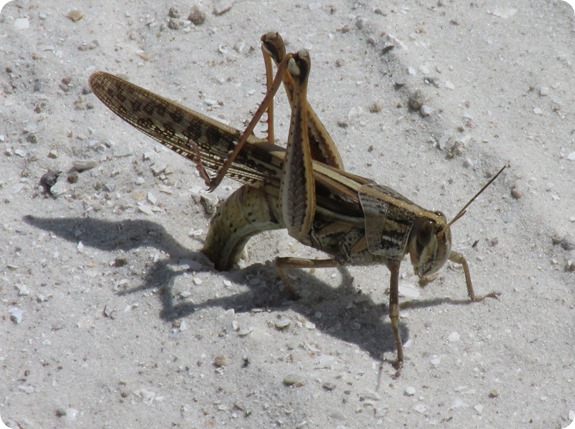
[{"x": 122, "y": 319}]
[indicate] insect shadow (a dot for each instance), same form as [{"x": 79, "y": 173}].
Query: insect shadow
[{"x": 358, "y": 321}]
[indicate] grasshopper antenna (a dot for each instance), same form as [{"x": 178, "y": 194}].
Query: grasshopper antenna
[{"x": 462, "y": 211}]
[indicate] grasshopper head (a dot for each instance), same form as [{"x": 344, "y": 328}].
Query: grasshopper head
[{"x": 429, "y": 243}]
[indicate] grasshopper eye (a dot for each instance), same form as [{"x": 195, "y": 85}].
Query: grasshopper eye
[
  {"x": 424, "y": 234},
  {"x": 429, "y": 245}
]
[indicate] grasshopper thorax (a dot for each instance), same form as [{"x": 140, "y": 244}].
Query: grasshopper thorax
[{"x": 429, "y": 243}]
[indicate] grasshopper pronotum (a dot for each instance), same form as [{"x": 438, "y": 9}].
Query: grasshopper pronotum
[{"x": 303, "y": 188}]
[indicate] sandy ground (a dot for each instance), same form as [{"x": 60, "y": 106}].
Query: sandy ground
[{"x": 111, "y": 318}]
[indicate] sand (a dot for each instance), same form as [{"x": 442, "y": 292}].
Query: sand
[{"x": 111, "y": 318}]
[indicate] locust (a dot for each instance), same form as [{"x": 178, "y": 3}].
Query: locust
[{"x": 302, "y": 187}]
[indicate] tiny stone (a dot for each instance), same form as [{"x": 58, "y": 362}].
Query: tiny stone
[
  {"x": 294, "y": 380},
  {"x": 493, "y": 394},
  {"x": 375, "y": 107},
  {"x": 197, "y": 16},
  {"x": 571, "y": 156},
  {"x": 173, "y": 12},
  {"x": 416, "y": 100},
  {"x": 185, "y": 294},
  {"x": 220, "y": 361},
  {"x": 145, "y": 209},
  {"x": 543, "y": 91},
  {"x": 328, "y": 386},
  {"x": 158, "y": 169},
  {"x": 245, "y": 331},
  {"x": 48, "y": 180},
  {"x": 15, "y": 315},
  {"x": 82, "y": 165},
  {"x": 23, "y": 290},
  {"x": 570, "y": 266},
  {"x": 516, "y": 193},
  {"x": 53, "y": 154},
  {"x": 222, "y": 6},
  {"x": 282, "y": 324},
  {"x": 75, "y": 15},
  {"x": 197, "y": 281},
  {"x": 175, "y": 24},
  {"x": 309, "y": 325},
  {"x": 426, "y": 110},
  {"x": 409, "y": 391}
]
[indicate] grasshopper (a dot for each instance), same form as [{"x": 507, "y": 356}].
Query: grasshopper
[{"x": 303, "y": 188}]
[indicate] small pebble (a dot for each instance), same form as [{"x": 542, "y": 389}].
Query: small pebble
[
  {"x": 295, "y": 380},
  {"x": 23, "y": 290},
  {"x": 426, "y": 110},
  {"x": 375, "y": 107},
  {"x": 197, "y": 16},
  {"x": 516, "y": 193},
  {"x": 145, "y": 209},
  {"x": 151, "y": 198},
  {"x": 15, "y": 315},
  {"x": 282, "y": 323},
  {"x": 222, "y": 6},
  {"x": 175, "y": 24},
  {"x": 416, "y": 100},
  {"x": 173, "y": 12},
  {"x": 48, "y": 180},
  {"x": 328, "y": 386},
  {"x": 82, "y": 165},
  {"x": 409, "y": 391},
  {"x": 309, "y": 325},
  {"x": 75, "y": 15},
  {"x": 571, "y": 156},
  {"x": 245, "y": 331},
  {"x": 220, "y": 361}
]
